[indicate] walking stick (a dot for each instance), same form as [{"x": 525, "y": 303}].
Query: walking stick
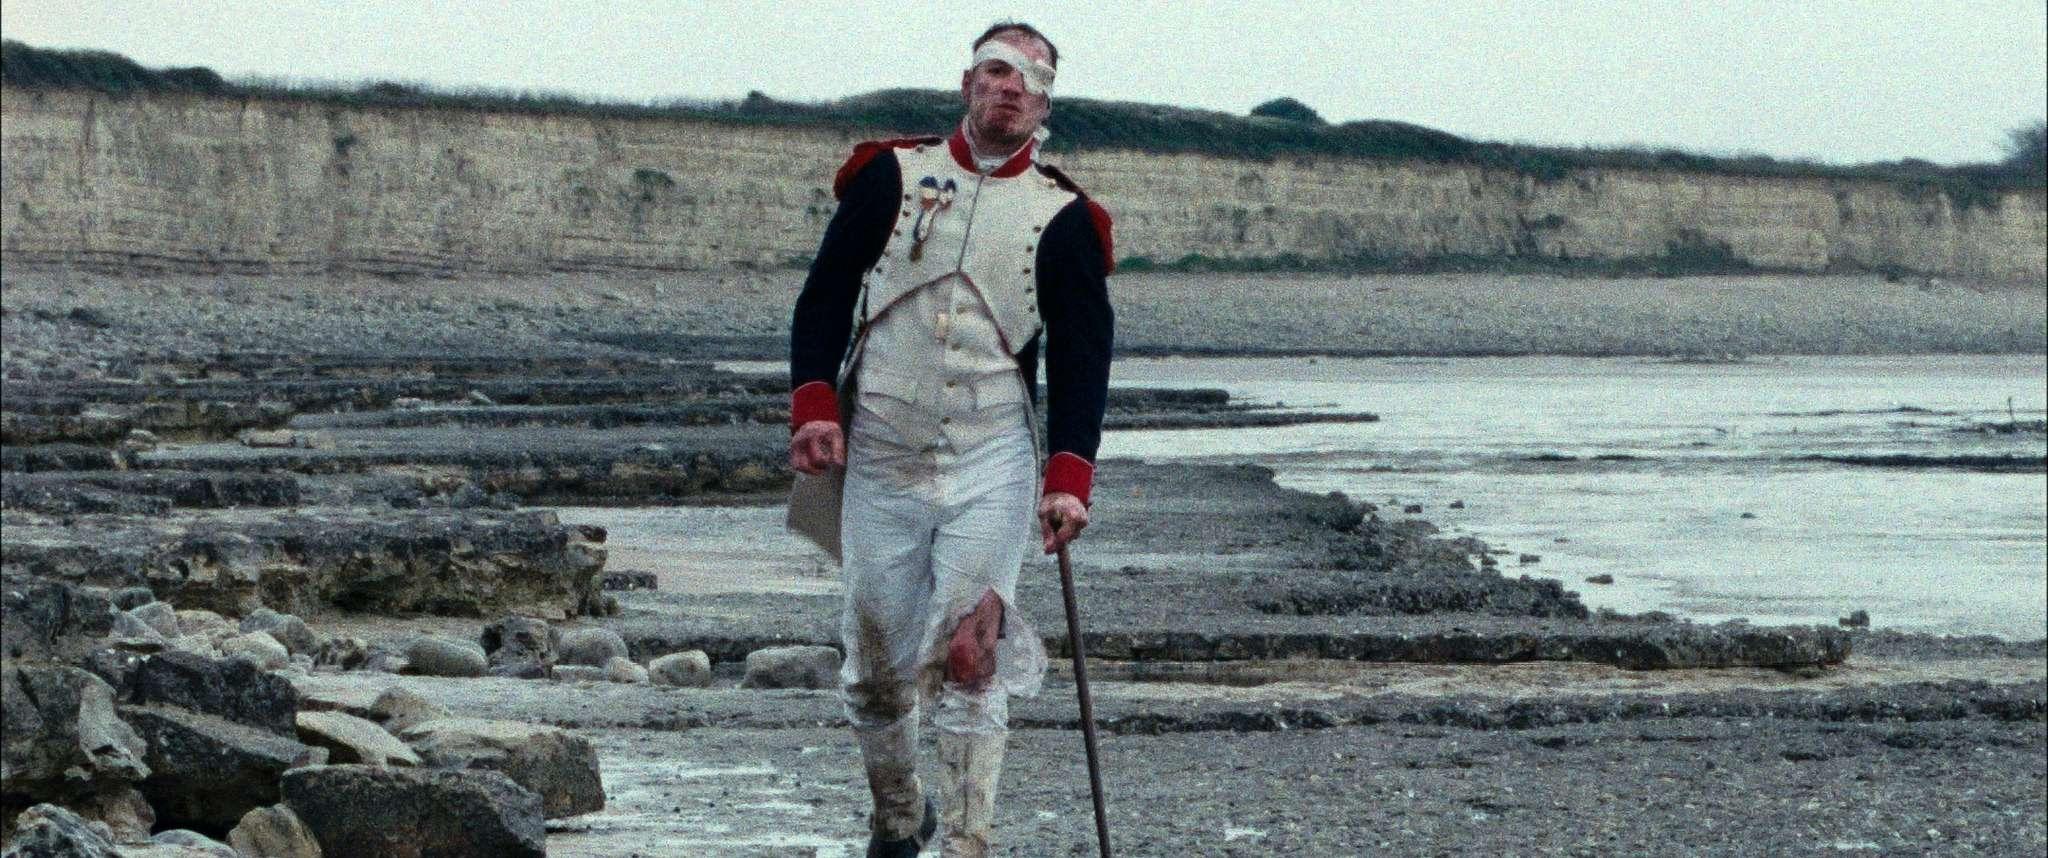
[{"x": 1087, "y": 705}]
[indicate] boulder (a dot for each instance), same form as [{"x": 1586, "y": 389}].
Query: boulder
[
  {"x": 437, "y": 656},
  {"x": 399, "y": 708},
  {"x": 286, "y": 628},
  {"x": 159, "y": 615},
  {"x": 41, "y": 618},
  {"x": 682, "y": 669},
  {"x": 416, "y": 813},
  {"x": 195, "y": 621},
  {"x": 792, "y": 667},
  {"x": 520, "y": 647},
  {"x": 226, "y": 687},
  {"x": 555, "y": 763},
  {"x": 349, "y": 739},
  {"x": 130, "y": 598},
  {"x": 591, "y": 647},
  {"x": 61, "y": 738},
  {"x": 257, "y": 648},
  {"x": 124, "y": 811},
  {"x": 624, "y": 670},
  {"x": 192, "y": 844},
  {"x": 273, "y": 832},
  {"x": 49, "y": 831},
  {"x": 207, "y": 771},
  {"x": 342, "y": 653},
  {"x": 132, "y": 634}
]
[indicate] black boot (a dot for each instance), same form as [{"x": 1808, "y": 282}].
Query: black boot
[{"x": 907, "y": 847}]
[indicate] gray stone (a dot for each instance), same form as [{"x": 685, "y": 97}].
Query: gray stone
[
  {"x": 273, "y": 832},
  {"x": 126, "y": 814},
  {"x": 132, "y": 634},
  {"x": 42, "y": 618},
  {"x": 682, "y": 669},
  {"x": 416, "y": 813},
  {"x": 342, "y": 653},
  {"x": 436, "y": 656},
  {"x": 197, "y": 621},
  {"x": 206, "y": 771},
  {"x": 194, "y": 844},
  {"x": 594, "y": 647},
  {"x": 555, "y": 763},
  {"x": 49, "y": 831},
  {"x": 257, "y": 648},
  {"x": 399, "y": 708},
  {"x": 792, "y": 667},
  {"x": 624, "y": 670},
  {"x": 288, "y": 629},
  {"x": 349, "y": 739},
  {"x": 520, "y": 647},
  {"x": 130, "y": 598},
  {"x": 60, "y": 736},
  {"x": 159, "y": 615}
]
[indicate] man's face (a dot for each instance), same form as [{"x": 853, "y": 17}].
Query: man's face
[{"x": 999, "y": 109}]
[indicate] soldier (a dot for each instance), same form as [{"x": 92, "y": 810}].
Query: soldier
[{"x": 947, "y": 266}]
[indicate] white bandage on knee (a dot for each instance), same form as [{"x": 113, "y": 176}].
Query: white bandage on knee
[{"x": 1037, "y": 75}]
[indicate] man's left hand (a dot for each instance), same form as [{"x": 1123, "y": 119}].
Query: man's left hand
[{"x": 1061, "y": 517}]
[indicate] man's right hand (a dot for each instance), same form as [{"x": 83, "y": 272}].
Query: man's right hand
[{"x": 817, "y": 447}]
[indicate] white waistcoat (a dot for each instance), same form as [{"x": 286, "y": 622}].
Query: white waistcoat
[{"x": 988, "y": 230}]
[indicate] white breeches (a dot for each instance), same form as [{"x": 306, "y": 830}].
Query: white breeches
[{"x": 928, "y": 531}]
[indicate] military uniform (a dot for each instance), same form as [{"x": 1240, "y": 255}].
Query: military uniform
[{"x": 938, "y": 281}]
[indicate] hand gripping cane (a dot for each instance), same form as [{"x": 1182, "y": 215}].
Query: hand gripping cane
[{"x": 1087, "y": 705}]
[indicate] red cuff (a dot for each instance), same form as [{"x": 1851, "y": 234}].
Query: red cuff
[
  {"x": 1066, "y": 472},
  {"x": 813, "y": 401}
]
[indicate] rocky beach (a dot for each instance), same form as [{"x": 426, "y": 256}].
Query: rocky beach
[{"x": 302, "y": 565}]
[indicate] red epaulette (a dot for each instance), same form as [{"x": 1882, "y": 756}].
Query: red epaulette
[
  {"x": 1096, "y": 215},
  {"x": 865, "y": 152}
]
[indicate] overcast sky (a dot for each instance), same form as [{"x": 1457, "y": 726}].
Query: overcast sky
[{"x": 1834, "y": 81}]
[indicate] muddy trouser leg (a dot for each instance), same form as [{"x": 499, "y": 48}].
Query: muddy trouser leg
[
  {"x": 886, "y": 533},
  {"x": 981, "y": 542}
]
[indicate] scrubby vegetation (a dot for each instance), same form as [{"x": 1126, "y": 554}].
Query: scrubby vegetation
[{"x": 1280, "y": 128}]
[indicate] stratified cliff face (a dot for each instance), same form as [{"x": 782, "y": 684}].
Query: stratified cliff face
[{"x": 184, "y": 182}]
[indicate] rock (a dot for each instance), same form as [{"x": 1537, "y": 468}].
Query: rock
[
  {"x": 139, "y": 440},
  {"x": 269, "y": 438},
  {"x": 349, "y": 739},
  {"x": 207, "y": 771},
  {"x": 1527, "y": 559},
  {"x": 478, "y": 397},
  {"x": 259, "y": 649},
  {"x": 408, "y": 403},
  {"x": 341, "y": 652},
  {"x": 792, "y": 667},
  {"x": 1602, "y": 578},
  {"x": 437, "y": 656},
  {"x": 1857, "y": 619},
  {"x": 579, "y": 673},
  {"x": 520, "y": 647},
  {"x": 126, "y": 814},
  {"x": 399, "y": 709},
  {"x": 229, "y": 688},
  {"x": 41, "y": 618},
  {"x": 1457, "y": 504},
  {"x": 49, "y": 831},
  {"x": 159, "y": 615},
  {"x": 1412, "y": 508},
  {"x": 629, "y": 579},
  {"x": 682, "y": 669},
  {"x": 624, "y": 670},
  {"x": 60, "y": 736},
  {"x": 555, "y": 763},
  {"x": 1748, "y": 515},
  {"x": 193, "y": 844},
  {"x": 131, "y": 633},
  {"x": 196, "y": 621},
  {"x": 288, "y": 629},
  {"x": 593, "y": 647},
  {"x": 273, "y": 832},
  {"x": 130, "y": 598},
  {"x": 416, "y": 813}
]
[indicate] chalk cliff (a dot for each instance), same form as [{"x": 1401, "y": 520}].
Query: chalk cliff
[{"x": 182, "y": 182}]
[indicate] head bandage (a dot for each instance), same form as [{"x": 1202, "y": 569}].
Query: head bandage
[{"x": 1037, "y": 75}]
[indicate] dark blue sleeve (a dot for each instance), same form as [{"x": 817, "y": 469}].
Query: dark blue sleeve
[
  {"x": 1080, "y": 331},
  {"x": 821, "y": 328}
]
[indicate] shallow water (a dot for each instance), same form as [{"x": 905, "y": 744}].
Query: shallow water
[{"x": 1687, "y": 482}]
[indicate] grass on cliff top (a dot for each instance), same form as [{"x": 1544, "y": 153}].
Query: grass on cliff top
[{"x": 1078, "y": 124}]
